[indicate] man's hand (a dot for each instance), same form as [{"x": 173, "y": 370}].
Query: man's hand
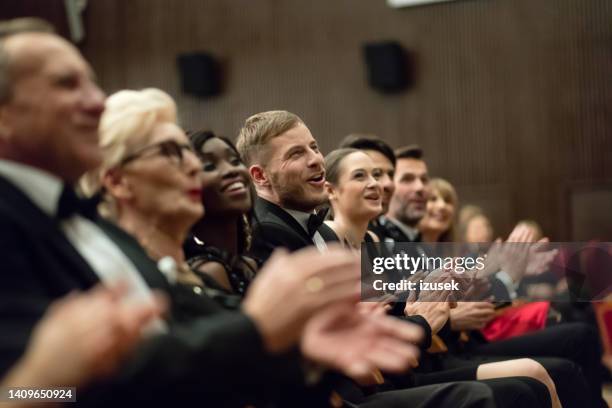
[
  {"x": 540, "y": 258},
  {"x": 477, "y": 287},
  {"x": 471, "y": 315},
  {"x": 376, "y": 308},
  {"x": 81, "y": 337},
  {"x": 515, "y": 252},
  {"x": 436, "y": 313},
  {"x": 433, "y": 305},
  {"x": 511, "y": 256},
  {"x": 291, "y": 288},
  {"x": 359, "y": 344}
]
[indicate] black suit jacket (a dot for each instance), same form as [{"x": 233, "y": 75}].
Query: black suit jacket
[
  {"x": 208, "y": 359},
  {"x": 274, "y": 227}
]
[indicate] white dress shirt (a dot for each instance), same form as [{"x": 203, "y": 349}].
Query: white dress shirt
[
  {"x": 411, "y": 232},
  {"x": 302, "y": 218},
  {"x": 106, "y": 259}
]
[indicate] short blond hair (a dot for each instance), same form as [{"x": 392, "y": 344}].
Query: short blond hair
[
  {"x": 125, "y": 125},
  {"x": 259, "y": 129}
]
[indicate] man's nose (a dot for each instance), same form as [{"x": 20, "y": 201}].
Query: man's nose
[
  {"x": 315, "y": 159},
  {"x": 419, "y": 185},
  {"x": 387, "y": 184},
  {"x": 94, "y": 100}
]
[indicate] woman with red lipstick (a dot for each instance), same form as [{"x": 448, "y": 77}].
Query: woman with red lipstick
[
  {"x": 155, "y": 202},
  {"x": 150, "y": 180},
  {"x": 150, "y": 183},
  {"x": 220, "y": 238},
  {"x": 355, "y": 194}
]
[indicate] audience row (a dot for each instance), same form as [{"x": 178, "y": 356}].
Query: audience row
[{"x": 146, "y": 264}]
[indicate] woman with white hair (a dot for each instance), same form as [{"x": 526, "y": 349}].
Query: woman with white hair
[
  {"x": 149, "y": 179},
  {"x": 150, "y": 185}
]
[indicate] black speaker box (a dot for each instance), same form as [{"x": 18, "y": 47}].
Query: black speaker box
[
  {"x": 388, "y": 66},
  {"x": 200, "y": 74}
]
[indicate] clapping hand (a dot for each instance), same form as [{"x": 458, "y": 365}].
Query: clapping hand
[
  {"x": 471, "y": 315},
  {"x": 83, "y": 336},
  {"x": 291, "y": 288},
  {"x": 360, "y": 344}
]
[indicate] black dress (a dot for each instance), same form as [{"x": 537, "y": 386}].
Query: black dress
[{"x": 239, "y": 269}]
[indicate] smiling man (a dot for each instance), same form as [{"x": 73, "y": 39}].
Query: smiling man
[
  {"x": 409, "y": 201},
  {"x": 52, "y": 244},
  {"x": 287, "y": 169}
]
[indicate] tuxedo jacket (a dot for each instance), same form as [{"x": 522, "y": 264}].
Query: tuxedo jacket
[
  {"x": 274, "y": 227},
  {"x": 208, "y": 359}
]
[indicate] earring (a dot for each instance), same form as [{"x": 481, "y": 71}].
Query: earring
[{"x": 248, "y": 233}]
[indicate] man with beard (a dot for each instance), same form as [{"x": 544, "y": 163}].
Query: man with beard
[
  {"x": 286, "y": 167},
  {"x": 407, "y": 207},
  {"x": 54, "y": 243},
  {"x": 409, "y": 203}
]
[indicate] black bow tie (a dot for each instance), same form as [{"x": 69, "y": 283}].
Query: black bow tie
[
  {"x": 70, "y": 203},
  {"x": 316, "y": 220},
  {"x": 397, "y": 234}
]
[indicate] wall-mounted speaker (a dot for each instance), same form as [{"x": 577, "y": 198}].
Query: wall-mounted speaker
[
  {"x": 200, "y": 74},
  {"x": 74, "y": 11},
  {"x": 388, "y": 66}
]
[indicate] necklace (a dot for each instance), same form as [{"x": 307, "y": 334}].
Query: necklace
[{"x": 350, "y": 243}]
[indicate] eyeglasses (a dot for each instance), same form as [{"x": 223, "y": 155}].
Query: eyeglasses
[{"x": 171, "y": 149}]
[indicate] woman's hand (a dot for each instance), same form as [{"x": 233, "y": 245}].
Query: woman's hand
[{"x": 471, "y": 315}]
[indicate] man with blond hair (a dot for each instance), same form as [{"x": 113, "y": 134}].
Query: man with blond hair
[
  {"x": 53, "y": 243},
  {"x": 286, "y": 167}
]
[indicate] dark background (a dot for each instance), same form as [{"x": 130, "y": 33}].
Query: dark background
[{"x": 512, "y": 100}]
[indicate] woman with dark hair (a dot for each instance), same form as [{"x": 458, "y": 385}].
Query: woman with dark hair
[
  {"x": 151, "y": 187},
  {"x": 149, "y": 183},
  {"x": 355, "y": 195},
  {"x": 218, "y": 240}
]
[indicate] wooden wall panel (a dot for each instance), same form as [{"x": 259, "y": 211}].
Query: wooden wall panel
[
  {"x": 513, "y": 97},
  {"x": 591, "y": 214},
  {"x": 50, "y": 10}
]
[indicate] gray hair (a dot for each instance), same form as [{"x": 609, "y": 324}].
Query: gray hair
[{"x": 9, "y": 28}]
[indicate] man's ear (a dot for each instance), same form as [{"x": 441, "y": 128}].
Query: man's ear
[
  {"x": 5, "y": 133},
  {"x": 259, "y": 176},
  {"x": 117, "y": 185},
  {"x": 330, "y": 190}
]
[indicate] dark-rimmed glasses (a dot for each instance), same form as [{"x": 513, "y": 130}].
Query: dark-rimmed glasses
[{"x": 171, "y": 149}]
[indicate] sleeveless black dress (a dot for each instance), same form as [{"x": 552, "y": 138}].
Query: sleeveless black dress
[{"x": 239, "y": 269}]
